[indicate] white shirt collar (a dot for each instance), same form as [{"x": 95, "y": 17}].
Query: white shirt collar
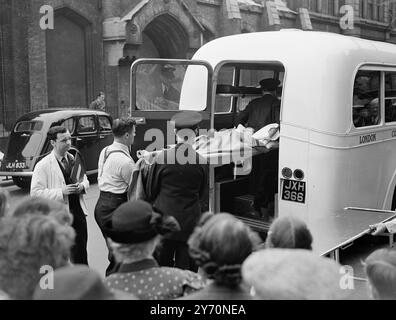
[{"x": 121, "y": 146}]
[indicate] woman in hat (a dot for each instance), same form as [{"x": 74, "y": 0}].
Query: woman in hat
[
  {"x": 219, "y": 245},
  {"x": 135, "y": 231}
]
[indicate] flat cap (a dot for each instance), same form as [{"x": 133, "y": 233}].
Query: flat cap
[
  {"x": 168, "y": 71},
  {"x": 186, "y": 120},
  {"x": 269, "y": 84}
]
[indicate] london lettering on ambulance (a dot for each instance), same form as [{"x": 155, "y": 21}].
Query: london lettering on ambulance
[{"x": 368, "y": 138}]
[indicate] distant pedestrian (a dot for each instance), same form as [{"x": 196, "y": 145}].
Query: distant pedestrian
[
  {"x": 115, "y": 168},
  {"x": 99, "y": 103}
]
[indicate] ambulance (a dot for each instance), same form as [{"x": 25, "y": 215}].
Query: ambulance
[{"x": 336, "y": 162}]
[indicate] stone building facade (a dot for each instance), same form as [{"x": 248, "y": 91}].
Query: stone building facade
[{"x": 94, "y": 42}]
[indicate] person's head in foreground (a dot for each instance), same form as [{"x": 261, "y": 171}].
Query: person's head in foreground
[
  {"x": 219, "y": 245},
  {"x": 293, "y": 274},
  {"x": 289, "y": 232},
  {"x": 135, "y": 230},
  {"x": 380, "y": 268},
  {"x": 26, "y": 245},
  {"x": 41, "y": 206},
  {"x": 77, "y": 282}
]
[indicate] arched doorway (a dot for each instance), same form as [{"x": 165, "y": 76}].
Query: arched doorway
[
  {"x": 166, "y": 37},
  {"x": 67, "y": 53}
]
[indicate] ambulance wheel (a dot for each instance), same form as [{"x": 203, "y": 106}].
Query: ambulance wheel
[{"x": 21, "y": 182}]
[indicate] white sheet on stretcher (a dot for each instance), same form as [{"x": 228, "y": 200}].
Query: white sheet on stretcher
[{"x": 230, "y": 146}]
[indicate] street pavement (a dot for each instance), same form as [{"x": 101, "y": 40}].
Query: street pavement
[{"x": 97, "y": 250}]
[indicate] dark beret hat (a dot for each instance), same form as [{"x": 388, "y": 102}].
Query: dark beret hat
[
  {"x": 269, "y": 84},
  {"x": 186, "y": 119},
  {"x": 136, "y": 222}
]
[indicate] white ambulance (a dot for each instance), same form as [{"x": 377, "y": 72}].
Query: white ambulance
[{"x": 336, "y": 161}]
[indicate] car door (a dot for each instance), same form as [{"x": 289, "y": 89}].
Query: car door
[{"x": 87, "y": 141}]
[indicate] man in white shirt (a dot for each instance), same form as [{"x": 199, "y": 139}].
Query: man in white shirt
[{"x": 115, "y": 168}]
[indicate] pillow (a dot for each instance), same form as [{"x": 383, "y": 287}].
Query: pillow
[{"x": 266, "y": 133}]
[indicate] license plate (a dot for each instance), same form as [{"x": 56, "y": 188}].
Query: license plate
[
  {"x": 293, "y": 190},
  {"x": 16, "y": 165}
]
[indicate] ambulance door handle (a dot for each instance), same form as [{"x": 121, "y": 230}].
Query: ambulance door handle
[{"x": 346, "y": 246}]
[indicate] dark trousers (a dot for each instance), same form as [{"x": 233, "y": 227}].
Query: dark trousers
[
  {"x": 173, "y": 253},
  {"x": 265, "y": 168},
  {"x": 104, "y": 209},
  {"x": 79, "y": 250}
]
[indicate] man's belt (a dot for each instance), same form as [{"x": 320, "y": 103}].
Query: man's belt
[{"x": 106, "y": 194}]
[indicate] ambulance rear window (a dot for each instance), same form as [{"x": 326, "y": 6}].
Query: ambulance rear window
[
  {"x": 28, "y": 126},
  {"x": 366, "y": 99}
]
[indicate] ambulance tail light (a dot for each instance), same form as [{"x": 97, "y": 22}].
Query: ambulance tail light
[
  {"x": 298, "y": 174},
  {"x": 287, "y": 173}
]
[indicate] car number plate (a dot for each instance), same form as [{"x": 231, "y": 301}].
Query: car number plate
[
  {"x": 17, "y": 165},
  {"x": 293, "y": 190}
]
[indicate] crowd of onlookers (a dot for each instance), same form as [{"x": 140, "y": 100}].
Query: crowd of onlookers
[{"x": 234, "y": 262}]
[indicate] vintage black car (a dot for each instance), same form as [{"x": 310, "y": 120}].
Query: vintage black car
[{"x": 28, "y": 143}]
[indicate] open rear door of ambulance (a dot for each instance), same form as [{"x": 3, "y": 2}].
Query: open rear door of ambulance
[{"x": 159, "y": 89}]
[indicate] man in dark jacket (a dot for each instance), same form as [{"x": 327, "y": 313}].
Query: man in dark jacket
[
  {"x": 264, "y": 110},
  {"x": 178, "y": 184},
  {"x": 257, "y": 114}
]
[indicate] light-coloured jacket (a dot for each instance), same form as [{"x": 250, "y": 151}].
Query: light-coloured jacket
[{"x": 48, "y": 180}]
